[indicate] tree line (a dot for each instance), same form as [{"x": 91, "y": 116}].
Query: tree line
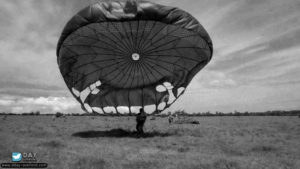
[{"x": 178, "y": 112}]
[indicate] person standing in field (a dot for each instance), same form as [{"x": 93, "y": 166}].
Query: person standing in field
[{"x": 140, "y": 121}]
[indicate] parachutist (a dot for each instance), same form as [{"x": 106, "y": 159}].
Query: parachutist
[{"x": 140, "y": 121}]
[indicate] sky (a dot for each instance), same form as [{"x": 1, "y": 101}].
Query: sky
[{"x": 255, "y": 66}]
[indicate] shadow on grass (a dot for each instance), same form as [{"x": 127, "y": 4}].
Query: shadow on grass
[{"x": 118, "y": 133}]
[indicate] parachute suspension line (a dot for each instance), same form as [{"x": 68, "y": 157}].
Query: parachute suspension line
[
  {"x": 129, "y": 104},
  {"x": 156, "y": 105},
  {"x": 136, "y": 1},
  {"x": 143, "y": 97}
]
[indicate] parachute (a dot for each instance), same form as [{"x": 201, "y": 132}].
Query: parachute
[{"x": 119, "y": 56}]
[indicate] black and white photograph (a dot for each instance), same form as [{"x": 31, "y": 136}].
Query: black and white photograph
[{"x": 150, "y": 84}]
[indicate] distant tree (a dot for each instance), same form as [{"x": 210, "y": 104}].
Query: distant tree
[
  {"x": 208, "y": 114},
  {"x": 237, "y": 113},
  {"x": 58, "y": 114}
]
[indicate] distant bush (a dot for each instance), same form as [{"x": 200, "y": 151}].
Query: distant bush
[
  {"x": 31, "y": 113},
  {"x": 186, "y": 121},
  {"x": 58, "y": 114},
  {"x": 237, "y": 113},
  {"x": 178, "y": 112}
]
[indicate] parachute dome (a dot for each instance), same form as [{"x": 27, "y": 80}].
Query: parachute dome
[{"x": 117, "y": 57}]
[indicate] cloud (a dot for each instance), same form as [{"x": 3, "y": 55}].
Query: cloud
[
  {"x": 43, "y": 104},
  {"x": 6, "y": 102},
  {"x": 273, "y": 65},
  {"x": 256, "y": 49},
  {"x": 213, "y": 79}
]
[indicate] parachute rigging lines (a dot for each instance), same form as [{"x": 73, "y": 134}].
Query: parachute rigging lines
[{"x": 116, "y": 57}]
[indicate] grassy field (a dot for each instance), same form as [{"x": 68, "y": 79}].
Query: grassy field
[{"x": 108, "y": 142}]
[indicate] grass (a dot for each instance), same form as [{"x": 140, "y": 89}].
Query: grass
[
  {"x": 111, "y": 142},
  {"x": 91, "y": 163},
  {"x": 51, "y": 144}
]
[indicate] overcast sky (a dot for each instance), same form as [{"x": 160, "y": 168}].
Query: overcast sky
[{"x": 255, "y": 67}]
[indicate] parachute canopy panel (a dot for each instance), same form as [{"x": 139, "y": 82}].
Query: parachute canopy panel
[{"x": 117, "y": 57}]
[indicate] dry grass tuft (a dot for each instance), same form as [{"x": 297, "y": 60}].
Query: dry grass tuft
[
  {"x": 140, "y": 165},
  {"x": 89, "y": 163},
  {"x": 52, "y": 144},
  {"x": 264, "y": 148}
]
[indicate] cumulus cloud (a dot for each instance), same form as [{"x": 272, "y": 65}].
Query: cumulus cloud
[
  {"x": 43, "y": 104},
  {"x": 255, "y": 61}
]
